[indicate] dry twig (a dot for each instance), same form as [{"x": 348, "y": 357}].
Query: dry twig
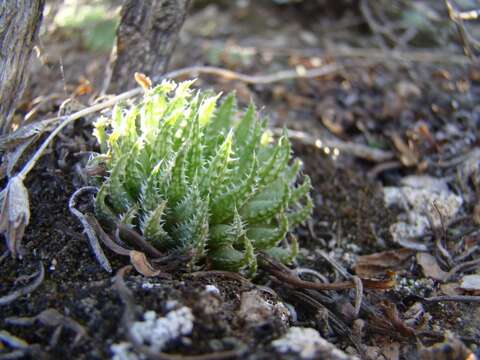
[
  {"x": 283, "y": 75},
  {"x": 454, "y": 298},
  {"x": 89, "y": 231},
  {"x": 357, "y": 150},
  {"x": 7, "y": 299}
]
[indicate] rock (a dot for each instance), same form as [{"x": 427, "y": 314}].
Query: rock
[
  {"x": 308, "y": 344},
  {"x": 255, "y": 309},
  {"x": 212, "y": 289},
  {"x": 157, "y": 332},
  {"x": 471, "y": 282},
  {"x": 426, "y": 201},
  {"x": 124, "y": 351},
  {"x": 430, "y": 267}
]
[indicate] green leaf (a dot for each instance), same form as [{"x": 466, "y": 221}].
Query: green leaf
[
  {"x": 227, "y": 234},
  {"x": 301, "y": 215},
  {"x": 284, "y": 255},
  {"x": 266, "y": 204},
  {"x": 153, "y": 230},
  {"x": 210, "y": 181},
  {"x": 217, "y": 168},
  {"x": 229, "y": 258},
  {"x": 265, "y": 236}
]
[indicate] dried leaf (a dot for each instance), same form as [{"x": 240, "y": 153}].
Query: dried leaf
[
  {"x": 15, "y": 213},
  {"x": 143, "y": 80},
  {"x": 25, "y": 132},
  {"x": 379, "y": 263},
  {"x": 407, "y": 156},
  {"x": 142, "y": 265},
  {"x": 84, "y": 87},
  {"x": 451, "y": 348},
  {"x": 11, "y": 158},
  {"x": 430, "y": 267}
]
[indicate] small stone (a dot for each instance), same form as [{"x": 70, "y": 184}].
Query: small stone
[
  {"x": 255, "y": 309},
  {"x": 212, "y": 289},
  {"x": 308, "y": 344}
]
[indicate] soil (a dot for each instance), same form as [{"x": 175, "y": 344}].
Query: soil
[{"x": 432, "y": 107}]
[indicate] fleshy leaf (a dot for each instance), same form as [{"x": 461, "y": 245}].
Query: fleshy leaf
[{"x": 189, "y": 175}]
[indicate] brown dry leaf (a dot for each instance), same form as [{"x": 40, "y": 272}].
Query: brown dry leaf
[
  {"x": 142, "y": 265},
  {"x": 407, "y": 156},
  {"x": 84, "y": 87},
  {"x": 379, "y": 263},
  {"x": 15, "y": 213},
  {"x": 331, "y": 124},
  {"x": 25, "y": 132},
  {"x": 143, "y": 80},
  {"x": 430, "y": 266},
  {"x": 451, "y": 349}
]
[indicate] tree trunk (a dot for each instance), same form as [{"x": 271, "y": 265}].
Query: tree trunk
[
  {"x": 19, "y": 24},
  {"x": 146, "y": 37}
]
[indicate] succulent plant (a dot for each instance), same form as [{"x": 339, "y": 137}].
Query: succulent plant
[{"x": 188, "y": 174}]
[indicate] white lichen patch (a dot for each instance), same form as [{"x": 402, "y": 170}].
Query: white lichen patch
[
  {"x": 156, "y": 332},
  {"x": 308, "y": 344},
  {"x": 425, "y": 201},
  {"x": 124, "y": 351}
]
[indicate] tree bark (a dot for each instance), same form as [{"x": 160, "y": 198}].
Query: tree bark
[
  {"x": 19, "y": 24},
  {"x": 146, "y": 37}
]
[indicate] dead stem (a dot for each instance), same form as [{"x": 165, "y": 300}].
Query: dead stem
[
  {"x": 280, "y": 273},
  {"x": 467, "y": 39},
  {"x": 134, "y": 238},
  {"x": 454, "y": 298},
  {"x": 441, "y": 239},
  {"x": 358, "y": 295},
  {"x": 338, "y": 325},
  {"x": 91, "y": 236},
  {"x": 7, "y": 299},
  {"x": 258, "y": 79},
  {"x": 106, "y": 240},
  {"x": 465, "y": 266},
  {"x": 357, "y": 150},
  {"x": 51, "y": 317},
  {"x": 4, "y": 255}
]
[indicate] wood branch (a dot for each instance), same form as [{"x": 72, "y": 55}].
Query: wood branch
[
  {"x": 146, "y": 37},
  {"x": 19, "y": 24}
]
